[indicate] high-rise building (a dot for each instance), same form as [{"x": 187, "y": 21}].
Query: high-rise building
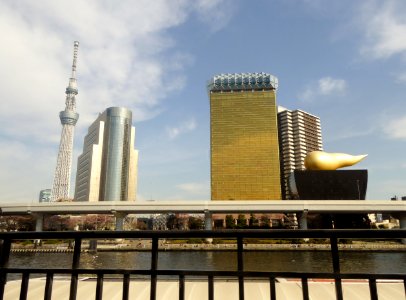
[
  {"x": 45, "y": 195},
  {"x": 107, "y": 168},
  {"x": 69, "y": 117},
  {"x": 244, "y": 137},
  {"x": 299, "y": 134}
]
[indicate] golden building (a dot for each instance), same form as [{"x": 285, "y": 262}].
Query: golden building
[{"x": 244, "y": 137}]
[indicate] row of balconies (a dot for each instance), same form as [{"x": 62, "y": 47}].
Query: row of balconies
[{"x": 305, "y": 121}]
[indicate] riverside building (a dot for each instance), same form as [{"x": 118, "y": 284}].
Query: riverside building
[
  {"x": 244, "y": 137},
  {"x": 107, "y": 168},
  {"x": 299, "y": 134}
]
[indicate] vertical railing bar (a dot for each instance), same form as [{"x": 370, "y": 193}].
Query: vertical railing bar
[
  {"x": 73, "y": 286},
  {"x": 211, "y": 287},
  {"x": 404, "y": 285},
  {"x": 305, "y": 288},
  {"x": 48, "y": 286},
  {"x": 126, "y": 286},
  {"x": 272, "y": 288},
  {"x": 154, "y": 265},
  {"x": 336, "y": 267},
  {"x": 372, "y": 289},
  {"x": 24, "y": 285},
  {"x": 240, "y": 266},
  {"x": 4, "y": 257},
  {"x": 76, "y": 253},
  {"x": 99, "y": 287},
  {"x": 182, "y": 287},
  {"x": 75, "y": 265},
  {"x": 5, "y": 247}
]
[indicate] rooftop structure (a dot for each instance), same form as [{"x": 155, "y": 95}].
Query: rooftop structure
[{"x": 242, "y": 81}]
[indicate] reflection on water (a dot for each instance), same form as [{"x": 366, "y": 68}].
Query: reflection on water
[
  {"x": 116, "y": 260},
  {"x": 285, "y": 261},
  {"x": 288, "y": 261}
]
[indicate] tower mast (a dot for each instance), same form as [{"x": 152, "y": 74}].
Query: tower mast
[{"x": 68, "y": 117}]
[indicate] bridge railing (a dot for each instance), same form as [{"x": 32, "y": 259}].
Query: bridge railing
[{"x": 75, "y": 271}]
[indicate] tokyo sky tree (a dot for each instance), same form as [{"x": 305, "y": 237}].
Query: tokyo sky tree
[{"x": 69, "y": 117}]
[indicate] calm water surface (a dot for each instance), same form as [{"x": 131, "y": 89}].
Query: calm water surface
[{"x": 305, "y": 261}]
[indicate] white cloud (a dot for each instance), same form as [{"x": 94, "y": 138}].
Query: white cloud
[
  {"x": 401, "y": 78},
  {"x": 395, "y": 128},
  {"x": 325, "y": 86},
  {"x": 123, "y": 58},
  {"x": 384, "y": 27},
  {"x": 127, "y": 57},
  {"x": 194, "y": 187},
  {"x": 328, "y": 85},
  {"x": 182, "y": 128},
  {"x": 24, "y": 169},
  {"x": 215, "y": 13}
]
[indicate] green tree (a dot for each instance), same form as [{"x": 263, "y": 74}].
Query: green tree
[
  {"x": 253, "y": 221},
  {"x": 195, "y": 223},
  {"x": 230, "y": 222},
  {"x": 241, "y": 221}
]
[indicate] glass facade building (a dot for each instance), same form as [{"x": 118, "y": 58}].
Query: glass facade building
[
  {"x": 107, "y": 168},
  {"x": 45, "y": 195},
  {"x": 244, "y": 137}
]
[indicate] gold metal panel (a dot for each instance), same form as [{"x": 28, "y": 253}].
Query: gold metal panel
[{"x": 244, "y": 146}]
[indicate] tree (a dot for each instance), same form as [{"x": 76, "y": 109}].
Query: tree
[
  {"x": 241, "y": 221},
  {"x": 173, "y": 222},
  {"x": 142, "y": 225},
  {"x": 253, "y": 221},
  {"x": 96, "y": 222},
  {"x": 195, "y": 223},
  {"x": 57, "y": 223},
  {"x": 230, "y": 222},
  {"x": 265, "y": 221},
  {"x": 17, "y": 223}
]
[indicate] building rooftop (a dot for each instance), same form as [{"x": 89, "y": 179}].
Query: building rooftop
[{"x": 242, "y": 81}]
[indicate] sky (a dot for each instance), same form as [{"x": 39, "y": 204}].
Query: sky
[{"x": 344, "y": 61}]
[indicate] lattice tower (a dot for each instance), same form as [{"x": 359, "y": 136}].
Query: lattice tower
[{"x": 69, "y": 117}]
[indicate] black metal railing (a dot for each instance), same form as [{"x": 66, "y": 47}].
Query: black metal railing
[{"x": 75, "y": 271}]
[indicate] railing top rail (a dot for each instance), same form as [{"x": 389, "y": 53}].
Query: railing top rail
[
  {"x": 243, "y": 233},
  {"x": 255, "y": 274}
]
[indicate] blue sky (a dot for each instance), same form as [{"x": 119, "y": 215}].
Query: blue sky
[{"x": 344, "y": 61}]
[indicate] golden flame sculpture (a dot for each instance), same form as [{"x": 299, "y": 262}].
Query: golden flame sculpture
[{"x": 320, "y": 160}]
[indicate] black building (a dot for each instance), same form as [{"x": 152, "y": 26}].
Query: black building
[{"x": 328, "y": 185}]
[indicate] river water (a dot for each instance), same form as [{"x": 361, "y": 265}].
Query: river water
[{"x": 304, "y": 261}]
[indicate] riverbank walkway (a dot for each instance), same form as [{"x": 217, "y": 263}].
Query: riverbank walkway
[
  {"x": 198, "y": 290},
  {"x": 146, "y": 245}
]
